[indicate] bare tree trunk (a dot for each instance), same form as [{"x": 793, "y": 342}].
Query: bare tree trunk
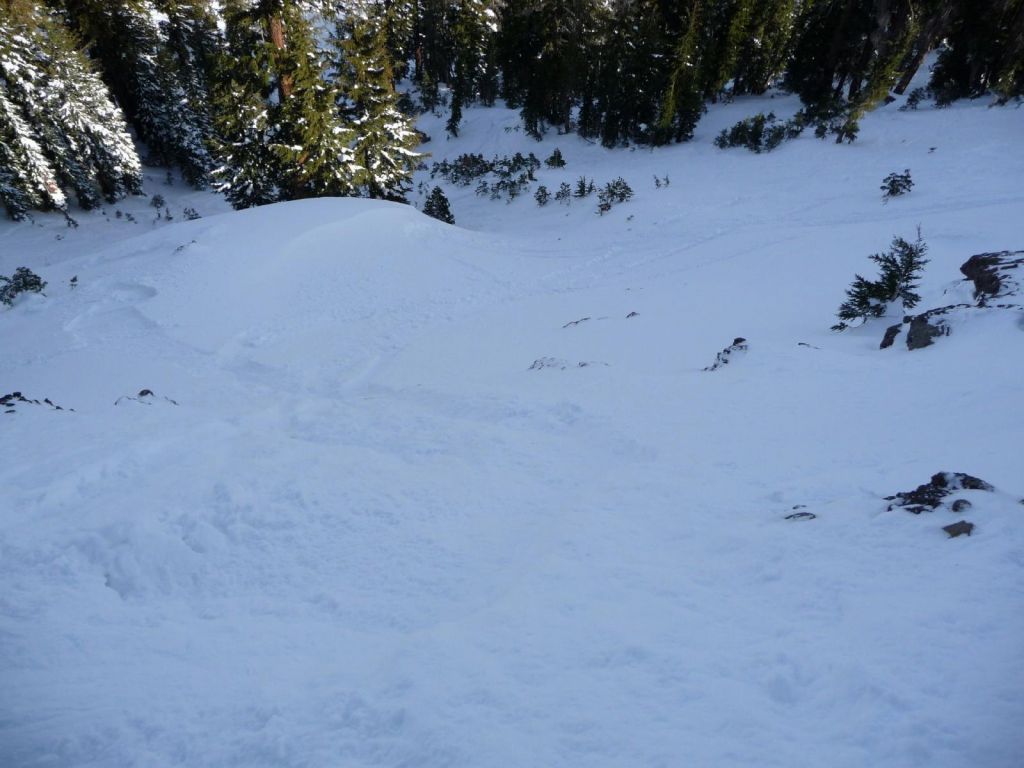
[{"x": 285, "y": 81}]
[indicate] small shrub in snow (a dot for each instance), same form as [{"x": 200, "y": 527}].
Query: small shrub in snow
[
  {"x": 191, "y": 214},
  {"x": 157, "y": 201},
  {"x": 760, "y": 133},
  {"x": 914, "y": 99},
  {"x": 24, "y": 280},
  {"x": 564, "y": 193},
  {"x": 542, "y": 196},
  {"x": 556, "y": 160},
  {"x": 614, "y": 192},
  {"x": 584, "y": 187},
  {"x": 438, "y": 207},
  {"x": 896, "y": 184},
  {"x": 899, "y": 271},
  {"x": 661, "y": 182}
]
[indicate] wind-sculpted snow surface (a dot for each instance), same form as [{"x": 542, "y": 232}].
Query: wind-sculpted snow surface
[{"x": 354, "y": 528}]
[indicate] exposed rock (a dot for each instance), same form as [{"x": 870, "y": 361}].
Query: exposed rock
[
  {"x": 554, "y": 362},
  {"x": 994, "y": 274},
  {"x": 10, "y": 403},
  {"x": 960, "y": 505},
  {"x": 958, "y": 529},
  {"x": 922, "y": 333},
  {"x": 575, "y": 322},
  {"x": 890, "y": 336},
  {"x": 632, "y": 314},
  {"x": 146, "y": 397},
  {"x": 801, "y": 516},
  {"x": 927, "y": 497},
  {"x": 739, "y": 344}
]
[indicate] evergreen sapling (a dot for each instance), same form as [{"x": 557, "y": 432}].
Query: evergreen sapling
[
  {"x": 438, "y": 207},
  {"x": 899, "y": 271}
]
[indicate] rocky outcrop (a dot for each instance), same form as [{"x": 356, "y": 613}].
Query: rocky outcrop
[
  {"x": 10, "y": 403},
  {"x": 994, "y": 274},
  {"x": 931, "y": 495}
]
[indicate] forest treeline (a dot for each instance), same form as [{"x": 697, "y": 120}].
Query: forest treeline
[{"x": 270, "y": 100}]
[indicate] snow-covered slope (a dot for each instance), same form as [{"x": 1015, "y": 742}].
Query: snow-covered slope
[{"x": 405, "y": 510}]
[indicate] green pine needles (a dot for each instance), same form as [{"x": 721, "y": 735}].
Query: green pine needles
[{"x": 899, "y": 271}]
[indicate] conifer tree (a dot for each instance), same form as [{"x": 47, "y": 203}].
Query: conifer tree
[
  {"x": 143, "y": 74},
  {"x": 281, "y": 136},
  {"x": 59, "y": 129},
  {"x": 438, "y": 207},
  {"x": 384, "y": 137}
]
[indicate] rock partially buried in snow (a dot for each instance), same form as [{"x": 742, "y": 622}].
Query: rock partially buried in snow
[
  {"x": 960, "y": 505},
  {"x": 739, "y": 344},
  {"x": 9, "y": 403},
  {"x": 927, "y": 497},
  {"x": 802, "y": 516},
  {"x": 890, "y": 336},
  {"x": 993, "y": 274},
  {"x": 146, "y": 397},
  {"x": 553, "y": 362},
  {"x": 958, "y": 529},
  {"x": 922, "y": 333}
]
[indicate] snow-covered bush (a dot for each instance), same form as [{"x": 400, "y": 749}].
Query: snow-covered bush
[
  {"x": 760, "y": 133},
  {"x": 24, "y": 280}
]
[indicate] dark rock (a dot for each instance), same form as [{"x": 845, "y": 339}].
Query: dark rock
[
  {"x": 801, "y": 516},
  {"x": 960, "y": 505},
  {"x": 890, "y": 336},
  {"x": 9, "y": 402},
  {"x": 739, "y": 344},
  {"x": 958, "y": 529},
  {"x": 575, "y": 322},
  {"x": 632, "y": 314},
  {"x": 146, "y": 397},
  {"x": 922, "y": 333},
  {"x": 927, "y": 497},
  {"x": 989, "y": 273}
]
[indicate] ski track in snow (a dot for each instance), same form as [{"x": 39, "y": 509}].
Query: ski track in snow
[{"x": 368, "y": 534}]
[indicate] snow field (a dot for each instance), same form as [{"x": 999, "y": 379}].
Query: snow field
[{"x": 370, "y": 535}]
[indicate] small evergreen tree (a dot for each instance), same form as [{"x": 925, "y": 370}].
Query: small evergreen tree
[
  {"x": 542, "y": 196},
  {"x": 896, "y": 184},
  {"x": 555, "y": 160},
  {"x": 899, "y": 271},
  {"x": 584, "y": 187},
  {"x": 564, "y": 193},
  {"x": 438, "y": 207}
]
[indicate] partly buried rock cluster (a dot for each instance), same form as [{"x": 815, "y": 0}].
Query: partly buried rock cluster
[
  {"x": 933, "y": 494},
  {"x": 995, "y": 276},
  {"x": 10, "y": 403}
]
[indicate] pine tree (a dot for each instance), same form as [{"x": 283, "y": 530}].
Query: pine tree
[
  {"x": 59, "y": 128},
  {"x": 281, "y": 136},
  {"x": 438, "y": 207},
  {"x": 384, "y": 137},
  {"x": 143, "y": 74},
  {"x": 899, "y": 271}
]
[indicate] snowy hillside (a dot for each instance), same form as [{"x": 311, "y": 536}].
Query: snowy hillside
[{"x": 406, "y": 494}]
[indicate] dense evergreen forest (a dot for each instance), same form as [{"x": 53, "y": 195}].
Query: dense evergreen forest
[{"x": 271, "y": 100}]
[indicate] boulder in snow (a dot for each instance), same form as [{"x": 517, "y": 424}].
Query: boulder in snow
[{"x": 930, "y": 495}]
